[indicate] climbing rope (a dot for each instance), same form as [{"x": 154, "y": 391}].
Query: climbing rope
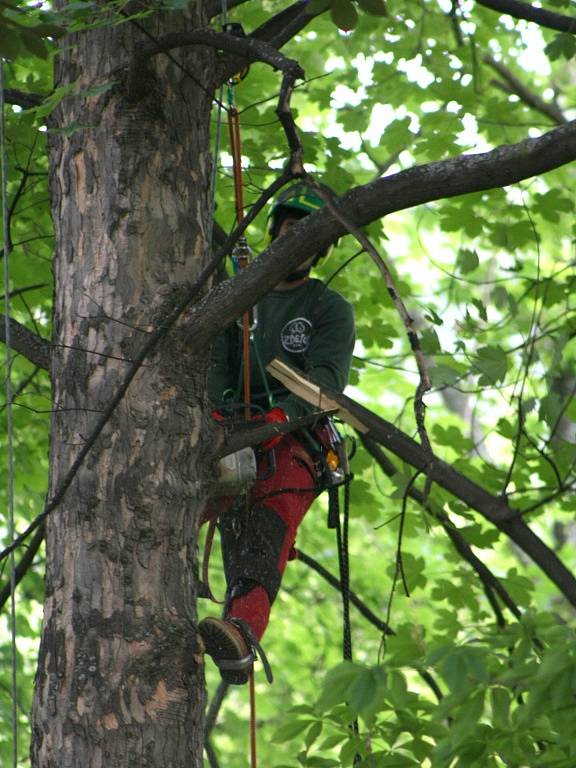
[
  {"x": 241, "y": 251},
  {"x": 344, "y": 567},
  {"x": 9, "y": 413},
  {"x": 240, "y": 258}
]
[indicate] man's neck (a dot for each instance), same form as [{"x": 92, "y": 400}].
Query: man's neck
[{"x": 289, "y": 285}]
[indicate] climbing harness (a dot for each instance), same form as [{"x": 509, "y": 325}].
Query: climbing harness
[{"x": 10, "y": 423}]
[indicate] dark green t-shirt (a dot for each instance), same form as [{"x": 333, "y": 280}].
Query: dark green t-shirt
[{"x": 310, "y": 327}]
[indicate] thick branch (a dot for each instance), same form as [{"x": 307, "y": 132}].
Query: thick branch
[
  {"x": 284, "y": 25},
  {"x": 277, "y": 31},
  {"x": 513, "y": 85},
  {"x": 22, "y": 99},
  {"x": 422, "y": 184},
  {"x": 244, "y": 47},
  {"x": 238, "y": 436},
  {"x": 494, "y": 508},
  {"x": 539, "y": 16},
  {"x": 22, "y": 340}
]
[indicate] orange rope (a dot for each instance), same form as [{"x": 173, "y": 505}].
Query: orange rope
[
  {"x": 253, "y": 759},
  {"x": 235, "y": 145},
  {"x": 234, "y": 128}
]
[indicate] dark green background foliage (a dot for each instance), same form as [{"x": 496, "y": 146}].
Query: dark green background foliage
[{"x": 489, "y": 280}]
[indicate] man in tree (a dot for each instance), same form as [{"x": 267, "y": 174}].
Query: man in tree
[{"x": 311, "y": 327}]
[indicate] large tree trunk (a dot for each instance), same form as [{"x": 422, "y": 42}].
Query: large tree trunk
[{"x": 118, "y": 680}]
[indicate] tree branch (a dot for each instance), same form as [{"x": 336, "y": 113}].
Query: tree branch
[
  {"x": 34, "y": 348},
  {"x": 513, "y": 85},
  {"x": 363, "y": 609},
  {"x": 407, "y": 320},
  {"x": 211, "y": 718},
  {"x": 214, "y": 7},
  {"x": 21, "y": 569},
  {"x": 244, "y": 47},
  {"x": 238, "y": 435},
  {"x": 421, "y": 184},
  {"x": 495, "y": 509},
  {"x": 490, "y": 582},
  {"x": 539, "y": 16},
  {"x": 22, "y": 98},
  {"x": 282, "y": 27}
]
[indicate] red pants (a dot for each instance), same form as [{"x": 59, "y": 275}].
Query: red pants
[{"x": 288, "y": 493}]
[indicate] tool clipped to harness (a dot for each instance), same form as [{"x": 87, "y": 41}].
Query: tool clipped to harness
[{"x": 336, "y": 468}]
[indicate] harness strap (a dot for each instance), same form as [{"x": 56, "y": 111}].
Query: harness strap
[
  {"x": 207, "y": 592},
  {"x": 255, "y": 646}
]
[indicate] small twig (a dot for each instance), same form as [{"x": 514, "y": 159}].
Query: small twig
[
  {"x": 22, "y": 568},
  {"x": 284, "y": 112},
  {"x": 211, "y": 718},
  {"x": 512, "y": 84},
  {"x": 363, "y": 610},
  {"x": 21, "y": 387},
  {"x": 552, "y": 497},
  {"x": 399, "y": 569},
  {"x": 408, "y": 321},
  {"x": 490, "y": 582}
]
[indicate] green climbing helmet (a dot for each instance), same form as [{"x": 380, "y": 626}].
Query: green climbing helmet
[{"x": 298, "y": 200}]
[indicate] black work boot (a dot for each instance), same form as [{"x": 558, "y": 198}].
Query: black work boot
[{"x": 224, "y": 641}]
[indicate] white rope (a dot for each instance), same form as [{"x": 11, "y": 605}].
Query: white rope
[{"x": 11, "y": 532}]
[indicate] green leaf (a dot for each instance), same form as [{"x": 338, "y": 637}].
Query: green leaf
[
  {"x": 468, "y": 260},
  {"x": 344, "y": 14},
  {"x": 433, "y": 317},
  {"x": 442, "y": 375},
  {"x": 364, "y": 692},
  {"x": 492, "y": 363},
  {"x": 10, "y": 44},
  {"x": 429, "y": 342},
  {"x": 69, "y": 130},
  {"x": 373, "y": 7},
  {"x": 394, "y": 760},
  {"x": 563, "y": 44},
  {"x": 481, "y": 308},
  {"x": 97, "y": 90},
  {"x": 336, "y": 684},
  {"x": 34, "y": 43},
  {"x": 313, "y": 733},
  {"x": 290, "y": 730}
]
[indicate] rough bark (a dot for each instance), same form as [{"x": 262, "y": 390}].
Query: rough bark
[{"x": 118, "y": 681}]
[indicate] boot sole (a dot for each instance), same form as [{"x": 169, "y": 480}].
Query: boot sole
[{"x": 223, "y": 645}]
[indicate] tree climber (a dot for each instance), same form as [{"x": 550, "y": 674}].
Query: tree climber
[{"x": 312, "y": 328}]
